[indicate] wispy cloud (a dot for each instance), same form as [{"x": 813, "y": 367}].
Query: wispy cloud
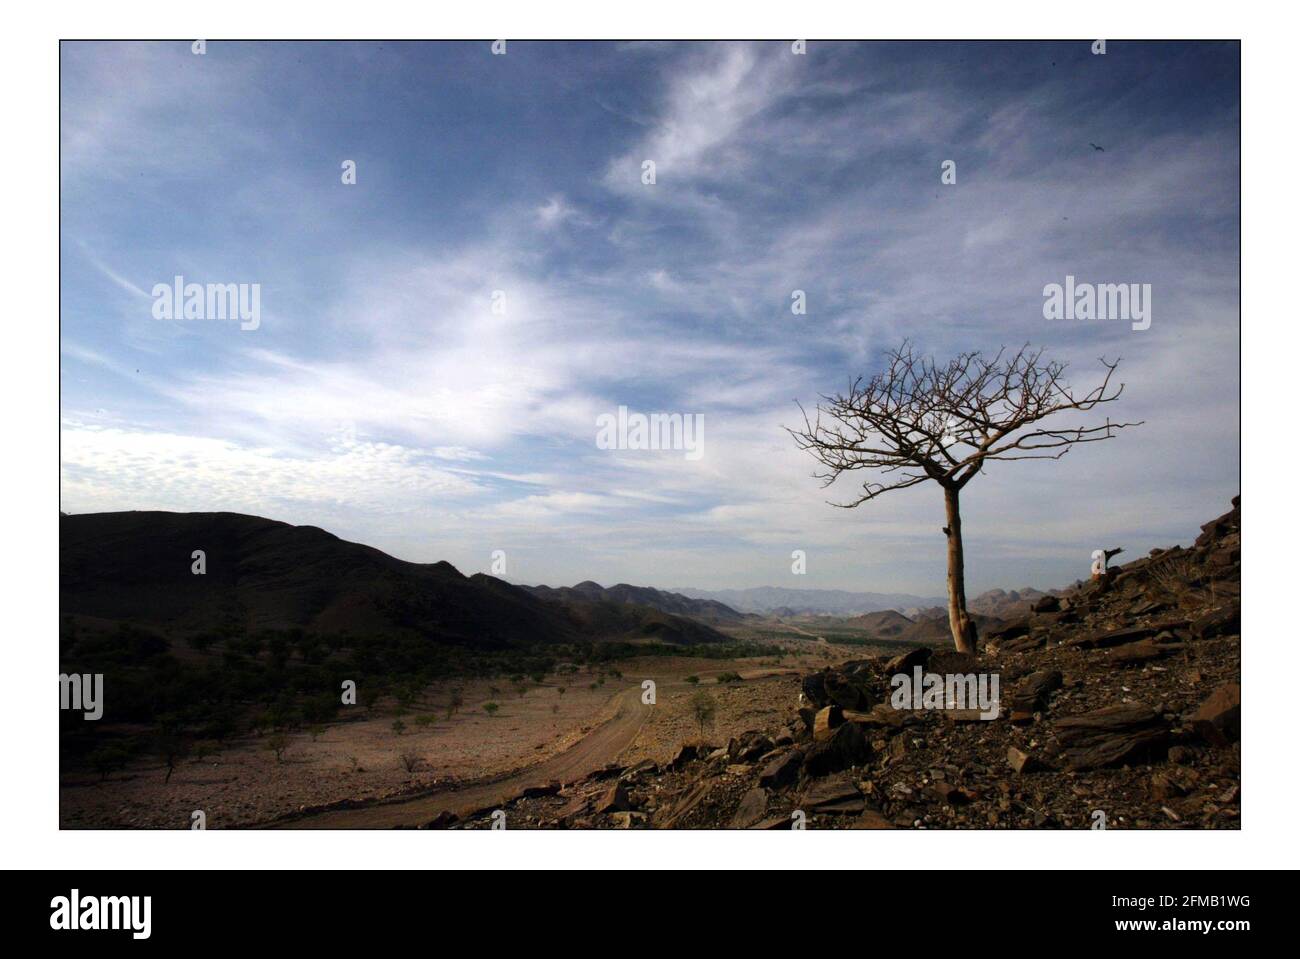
[{"x": 439, "y": 338}]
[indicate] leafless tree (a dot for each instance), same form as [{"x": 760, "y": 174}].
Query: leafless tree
[{"x": 919, "y": 420}]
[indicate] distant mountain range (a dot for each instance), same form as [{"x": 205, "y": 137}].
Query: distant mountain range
[
  {"x": 781, "y": 600},
  {"x": 136, "y": 567},
  {"x": 785, "y": 602},
  {"x": 1007, "y": 603}
]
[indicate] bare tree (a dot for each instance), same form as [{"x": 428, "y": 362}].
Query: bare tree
[{"x": 918, "y": 421}]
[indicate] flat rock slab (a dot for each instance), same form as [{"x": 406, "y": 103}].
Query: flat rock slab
[
  {"x": 1221, "y": 622},
  {"x": 782, "y": 770},
  {"x": 828, "y": 794},
  {"x": 1114, "y": 736},
  {"x": 688, "y": 802},
  {"x": 1023, "y": 644},
  {"x": 752, "y": 809},
  {"x": 1133, "y": 654},
  {"x": 1112, "y": 637}
]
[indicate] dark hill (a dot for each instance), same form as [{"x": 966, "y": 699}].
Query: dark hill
[
  {"x": 262, "y": 574},
  {"x": 885, "y": 624}
]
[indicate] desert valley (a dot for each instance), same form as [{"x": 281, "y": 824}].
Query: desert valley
[{"x": 305, "y": 682}]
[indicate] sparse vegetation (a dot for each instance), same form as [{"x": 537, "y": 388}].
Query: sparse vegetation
[
  {"x": 171, "y": 749},
  {"x": 455, "y": 703},
  {"x": 703, "y": 708},
  {"x": 108, "y": 759},
  {"x": 278, "y": 743},
  {"x": 287, "y": 680}
]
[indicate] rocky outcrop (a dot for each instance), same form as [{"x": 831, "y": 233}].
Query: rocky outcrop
[{"x": 1120, "y": 696}]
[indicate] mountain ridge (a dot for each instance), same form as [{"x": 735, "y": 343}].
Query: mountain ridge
[{"x": 260, "y": 573}]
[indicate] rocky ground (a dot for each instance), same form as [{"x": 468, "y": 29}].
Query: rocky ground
[{"x": 1119, "y": 705}]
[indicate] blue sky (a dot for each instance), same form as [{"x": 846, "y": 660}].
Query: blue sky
[{"x": 382, "y": 399}]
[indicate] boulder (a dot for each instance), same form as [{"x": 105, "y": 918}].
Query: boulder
[
  {"x": 847, "y": 692},
  {"x": 846, "y": 747},
  {"x": 782, "y": 770},
  {"x": 688, "y": 753},
  {"x": 748, "y": 747},
  {"x": 1220, "y": 622},
  {"x": 752, "y": 808},
  {"x": 814, "y": 690},
  {"x": 1114, "y": 736},
  {"x": 614, "y": 799},
  {"x": 826, "y": 722},
  {"x": 1046, "y": 604},
  {"x": 1031, "y": 696},
  {"x": 1019, "y": 760},
  {"x": 1218, "y": 719}
]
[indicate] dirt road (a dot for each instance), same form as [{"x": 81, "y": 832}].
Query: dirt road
[{"x": 601, "y": 746}]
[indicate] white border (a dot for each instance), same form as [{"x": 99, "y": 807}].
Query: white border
[{"x": 28, "y": 797}]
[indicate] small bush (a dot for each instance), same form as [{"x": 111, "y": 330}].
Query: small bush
[{"x": 278, "y": 743}]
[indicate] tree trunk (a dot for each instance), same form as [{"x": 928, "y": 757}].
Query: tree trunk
[{"x": 959, "y": 621}]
